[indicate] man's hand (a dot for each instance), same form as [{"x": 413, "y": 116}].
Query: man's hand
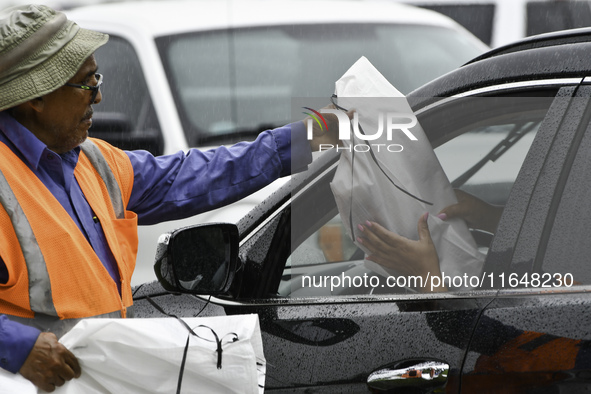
[
  {"x": 322, "y": 136},
  {"x": 50, "y": 364}
]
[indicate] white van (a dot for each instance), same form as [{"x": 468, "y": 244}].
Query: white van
[{"x": 181, "y": 74}]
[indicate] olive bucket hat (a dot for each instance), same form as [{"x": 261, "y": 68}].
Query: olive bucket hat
[{"x": 40, "y": 50}]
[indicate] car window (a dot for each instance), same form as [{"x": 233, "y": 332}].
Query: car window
[
  {"x": 226, "y": 81},
  {"x": 565, "y": 255},
  {"x": 481, "y": 144},
  {"x": 494, "y": 149},
  {"x": 125, "y": 90}
]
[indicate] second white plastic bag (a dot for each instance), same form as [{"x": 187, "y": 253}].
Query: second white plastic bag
[
  {"x": 393, "y": 179},
  {"x": 144, "y": 355}
]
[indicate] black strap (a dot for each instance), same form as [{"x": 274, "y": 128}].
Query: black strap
[
  {"x": 388, "y": 177},
  {"x": 374, "y": 158},
  {"x": 180, "y": 380},
  {"x": 351, "y": 195},
  {"x": 218, "y": 341}
]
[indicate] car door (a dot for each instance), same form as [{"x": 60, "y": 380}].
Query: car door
[
  {"x": 330, "y": 341},
  {"x": 535, "y": 334},
  {"x": 333, "y": 334}
]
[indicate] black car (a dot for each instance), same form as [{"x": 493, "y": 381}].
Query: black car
[{"x": 511, "y": 127}]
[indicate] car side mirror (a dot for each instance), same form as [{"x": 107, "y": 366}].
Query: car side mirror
[{"x": 200, "y": 259}]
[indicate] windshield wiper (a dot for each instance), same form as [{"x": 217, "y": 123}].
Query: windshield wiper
[{"x": 518, "y": 131}]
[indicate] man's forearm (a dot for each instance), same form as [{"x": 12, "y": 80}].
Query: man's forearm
[{"x": 16, "y": 341}]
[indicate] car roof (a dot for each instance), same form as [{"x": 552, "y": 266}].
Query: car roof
[
  {"x": 178, "y": 16},
  {"x": 558, "y": 55},
  {"x": 555, "y": 38}
]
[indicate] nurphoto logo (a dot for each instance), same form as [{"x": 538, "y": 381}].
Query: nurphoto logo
[{"x": 391, "y": 123}]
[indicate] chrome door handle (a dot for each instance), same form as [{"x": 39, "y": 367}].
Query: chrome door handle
[{"x": 420, "y": 375}]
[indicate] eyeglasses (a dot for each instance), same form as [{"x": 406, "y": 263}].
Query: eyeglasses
[{"x": 95, "y": 89}]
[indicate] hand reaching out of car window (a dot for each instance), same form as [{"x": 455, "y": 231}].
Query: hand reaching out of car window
[
  {"x": 478, "y": 214},
  {"x": 406, "y": 256},
  {"x": 50, "y": 364},
  {"x": 419, "y": 257}
]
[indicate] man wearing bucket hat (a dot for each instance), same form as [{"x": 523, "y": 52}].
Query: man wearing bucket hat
[{"x": 70, "y": 205}]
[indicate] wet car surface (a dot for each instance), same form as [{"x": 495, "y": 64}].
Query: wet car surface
[{"x": 521, "y": 326}]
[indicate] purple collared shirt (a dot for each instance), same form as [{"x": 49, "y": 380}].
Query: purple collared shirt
[{"x": 164, "y": 188}]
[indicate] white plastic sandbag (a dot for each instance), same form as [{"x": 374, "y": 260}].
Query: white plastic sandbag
[
  {"x": 144, "y": 355},
  {"x": 394, "y": 178},
  {"x": 15, "y": 383}
]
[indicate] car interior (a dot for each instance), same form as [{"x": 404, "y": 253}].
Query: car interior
[{"x": 481, "y": 143}]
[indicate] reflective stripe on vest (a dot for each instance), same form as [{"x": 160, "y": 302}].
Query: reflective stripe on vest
[
  {"x": 99, "y": 163},
  {"x": 40, "y": 298},
  {"x": 39, "y": 283}
]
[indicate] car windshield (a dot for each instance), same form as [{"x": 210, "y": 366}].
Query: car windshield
[{"x": 232, "y": 84}]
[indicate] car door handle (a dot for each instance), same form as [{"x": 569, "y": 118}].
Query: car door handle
[{"x": 422, "y": 376}]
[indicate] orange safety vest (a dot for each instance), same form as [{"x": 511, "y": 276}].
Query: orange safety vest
[{"x": 52, "y": 268}]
